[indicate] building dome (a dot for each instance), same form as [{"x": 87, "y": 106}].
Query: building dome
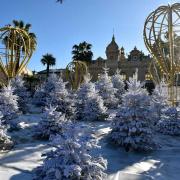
[
  {"x": 100, "y": 59},
  {"x": 113, "y": 45},
  {"x": 112, "y": 50},
  {"x": 27, "y": 72}
]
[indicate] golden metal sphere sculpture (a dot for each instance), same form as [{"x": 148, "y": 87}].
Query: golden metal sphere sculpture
[
  {"x": 162, "y": 39},
  {"x": 15, "y": 52},
  {"x": 75, "y": 72}
]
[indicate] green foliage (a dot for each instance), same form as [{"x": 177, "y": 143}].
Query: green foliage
[
  {"x": 82, "y": 52},
  {"x": 48, "y": 60},
  {"x": 61, "y": 1}
]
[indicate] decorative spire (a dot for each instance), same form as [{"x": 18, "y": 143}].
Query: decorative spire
[{"x": 113, "y": 38}]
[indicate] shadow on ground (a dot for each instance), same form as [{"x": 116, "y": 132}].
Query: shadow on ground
[{"x": 122, "y": 165}]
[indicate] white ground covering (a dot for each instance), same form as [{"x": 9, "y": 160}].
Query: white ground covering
[
  {"x": 17, "y": 164},
  {"x": 160, "y": 165}
]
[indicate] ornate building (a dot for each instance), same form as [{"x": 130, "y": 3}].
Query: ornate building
[
  {"x": 116, "y": 59},
  {"x": 136, "y": 61}
]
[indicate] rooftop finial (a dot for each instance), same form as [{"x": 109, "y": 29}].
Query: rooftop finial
[{"x": 113, "y": 38}]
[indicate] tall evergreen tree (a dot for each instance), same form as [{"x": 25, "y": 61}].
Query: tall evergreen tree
[
  {"x": 70, "y": 158},
  {"x": 131, "y": 127},
  {"x": 20, "y": 90},
  {"x": 8, "y": 103},
  {"x": 62, "y": 99},
  {"x": 159, "y": 102},
  {"x": 90, "y": 105},
  {"x": 51, "y": 124},
  {"x": 43, "y": 91},
  {"x": 5, "y": 141},
  {"x": 119, "y": 84},
  {"x": 170, "y": 122},
  {"x": 106, "y": 90}
]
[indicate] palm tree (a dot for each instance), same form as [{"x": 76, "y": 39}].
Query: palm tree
[
  {"x": 61, "y": 1},
  {"x": 20, "y": 47},
  {"x": 48, "y": 60},
  {"x": 20, "y": 24},
  {"x": 82, "y": 52}
]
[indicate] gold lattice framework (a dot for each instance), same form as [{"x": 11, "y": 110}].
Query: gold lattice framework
[
  {"x": 162, "y": 39},
  {"x": 16, "y": 50},
  {"x": 75, "y": 72}
]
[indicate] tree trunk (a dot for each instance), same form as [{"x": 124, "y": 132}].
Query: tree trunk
[{"x": 47, "y": 70}]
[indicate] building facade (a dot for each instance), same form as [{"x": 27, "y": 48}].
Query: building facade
[
  {"x": 116, "y": 59},
  {"x": 136, "y": 61}
]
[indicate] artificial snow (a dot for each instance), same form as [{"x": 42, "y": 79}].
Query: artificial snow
[{"x": 162, "y": 164}]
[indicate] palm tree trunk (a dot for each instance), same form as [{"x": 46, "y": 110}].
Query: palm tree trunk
[
  {"x": 17, "y": 59},
  {"x": 47, "y": 70}
]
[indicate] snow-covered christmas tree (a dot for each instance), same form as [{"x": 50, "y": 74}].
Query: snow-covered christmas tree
[
  {"x": 119, "y": 84},
  {"x": 106, "y": 90},
  {"x": 52, "y": 123},
  {"x": 131, "y": 127},
  {"x": 170, "y": 122},
  {"x": 53, "y": 91},
  {"x": 90, "y": 105},
  {"x": 5, "y": 141},
  {"x": 71, "y": 159},
  {"x": 159, "y": 102},
  {"x": 20, "y": 90},
  {"x": 8, "y": 103},
  {"x": 43, "y": 91},
  {"x": 62, "y": 99}
]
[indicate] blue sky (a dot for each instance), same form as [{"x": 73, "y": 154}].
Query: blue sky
[{"x": 59, "y": 27}]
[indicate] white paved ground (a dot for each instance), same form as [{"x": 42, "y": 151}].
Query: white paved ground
[{"x": 159, "y": 165}]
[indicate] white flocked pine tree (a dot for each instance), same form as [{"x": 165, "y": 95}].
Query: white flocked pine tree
[
  {"x": 131, "y": 127},
  {"x": 20, "y": 90},
  {"x": 62, "y": 99},
  {"x": 52, "y": 123},
  {"x": 5, "y": 140},
  {"x": 90, "y": 105},
  {"x": 43, "y": 91},
  {"x": 106, "y": 90},
  {"x": 159, "y": 102},
  {"x": 71, "y": 160},
  {"x": 119, "y": 84},
  {"x": 8, "y": 103},
  {"x": 170, "y": 122},
  {"x": 54, "y": 92}
]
